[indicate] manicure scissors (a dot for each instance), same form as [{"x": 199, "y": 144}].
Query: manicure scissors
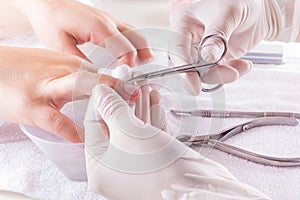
[
  {"x": 200, "y": 66},
  {"x": 218, "y": 140}
]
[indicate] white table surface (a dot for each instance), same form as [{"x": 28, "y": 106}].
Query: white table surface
[{"x": 140, "y": 13}]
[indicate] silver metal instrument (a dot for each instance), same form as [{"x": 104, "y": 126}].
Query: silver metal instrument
[
  {"x": 218, "y": 140},
  {"x": 200, "y": 66},
  {"x": 235, "y": 114}
]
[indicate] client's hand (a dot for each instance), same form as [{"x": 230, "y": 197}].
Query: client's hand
[
  {"x": 64, "y": 24},
  {"x": 36, "y": 83},
  {"x": 140, "y": 161}
]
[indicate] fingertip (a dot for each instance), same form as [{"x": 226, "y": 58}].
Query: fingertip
[
  {"x": 108, "y": 80},
  {"x": 246, "y": 68},
  {"x": 221, "y": 74},
  {"x": 128, "y": 59},
  {"x": 138, "y": 41},
  {"x": 81, "y": 136},
  {"x": 107, "y": 101},
  {"x": 128, "y": 91},
  {"x": 57, "y": 123},
  {"x": 154, "y": 98},
  {"x": 69, "y": 46},
  {"x": 192, "y": 83},
  {"x": 145, "y": 54},
  {"x": 99, "y": 92},
  {"x": 145, "y": 61},
  {"x": 242, "y": 66},
  {"x": 158, "y": 115},
  {"x": 132, "y": 90},
  {"x": 72, "y": 132},
  {"x": 95, "y": 91}
]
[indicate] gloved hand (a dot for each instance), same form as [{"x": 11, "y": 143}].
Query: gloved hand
[
  {"x": 64, "y": 24},
  {"x": 244, "y": 23},
  {"x": 140, "y": 161}
]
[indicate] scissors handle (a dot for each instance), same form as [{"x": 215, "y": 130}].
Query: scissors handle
[
  {"x": 200, "y": 66},
  {"x": 202, "y": 44},
  {"x": 202, "y": 61}
]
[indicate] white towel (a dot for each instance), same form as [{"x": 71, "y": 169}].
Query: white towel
[{"x": 265, "y": 88}]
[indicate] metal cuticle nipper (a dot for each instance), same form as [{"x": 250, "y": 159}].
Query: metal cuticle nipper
[{"x": 217, "y": 140}]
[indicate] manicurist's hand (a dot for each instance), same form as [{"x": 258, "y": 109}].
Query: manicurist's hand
[
  {"x": 36, "y": 83},
  {"x": 243, "y": 23},
  {"x": 64, "y": 24},
  {"x": 141, "y": 161}
]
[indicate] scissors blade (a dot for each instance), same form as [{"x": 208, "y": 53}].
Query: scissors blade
[{"x": 171, "y": 71}]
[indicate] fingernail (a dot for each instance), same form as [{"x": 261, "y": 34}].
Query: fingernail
[
  {"x": 130, "y": 89},
  {"x": 145, "y": 61},
  {"x": 249, "y": 67},
  {"x": 128, "y": 61}
]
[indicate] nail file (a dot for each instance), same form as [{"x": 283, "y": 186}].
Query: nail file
[{"x": 266, "y": 53}]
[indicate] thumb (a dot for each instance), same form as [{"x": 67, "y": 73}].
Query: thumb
[
  {"x": 109, "y": 104},
  {"x": 194, "y": 21},
  {"x": 134, "y": 147},
  {"x": 231, "y": 18},
  {"x": 96, "y": 132},
  {"x": 52, "y": 120},
  {"x": 69, "y": 46},
  {"x": 213, "y": 48},
  {"x": 125, "y": 128},
  {"x": 79, "y": 85}
]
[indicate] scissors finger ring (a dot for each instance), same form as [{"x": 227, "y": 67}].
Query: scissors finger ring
[{"x": 216, "y": 61}]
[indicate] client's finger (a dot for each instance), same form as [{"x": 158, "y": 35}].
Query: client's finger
[
  {"x": 121, "y": 48},
  {"x": 142, "y": 105},
  {"x": 79, "y": 85},
  {"x": 158, "y": 115},
  {"x": 69, "y": 45},
  {"x": 137, "y": 40}
]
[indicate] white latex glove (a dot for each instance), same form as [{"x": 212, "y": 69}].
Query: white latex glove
[
  {"x": 143, "y": 162},
  {"x": 244, "y": 23}
]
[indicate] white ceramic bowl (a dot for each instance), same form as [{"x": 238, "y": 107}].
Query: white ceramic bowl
[{"x": 68, "y": 157}]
